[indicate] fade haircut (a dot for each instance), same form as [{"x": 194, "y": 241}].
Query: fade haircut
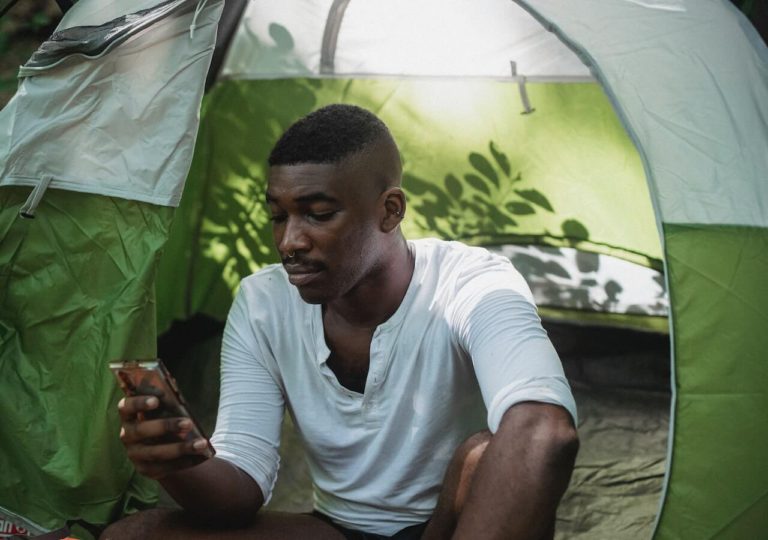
[{"x": 328, "y": 135}]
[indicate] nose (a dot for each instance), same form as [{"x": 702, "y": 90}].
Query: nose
[{"x": 292, "y": 237}]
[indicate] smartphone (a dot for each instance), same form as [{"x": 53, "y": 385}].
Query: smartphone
[{"x": 151, "y": 378}]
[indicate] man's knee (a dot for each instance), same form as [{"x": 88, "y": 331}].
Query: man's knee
[
  {"x": 461, "y": 469},
  {"x": 141, "y": 525},
  {"x": 468, "y": 453},
  {"x": 456, "y": 483}
]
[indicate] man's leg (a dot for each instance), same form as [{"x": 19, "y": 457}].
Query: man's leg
[
  {"x": 458, "y": 479},
  {"x": 164, "y": 524}
]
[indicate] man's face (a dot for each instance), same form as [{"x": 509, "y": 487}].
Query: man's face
[{"x": 325, "y": 216}]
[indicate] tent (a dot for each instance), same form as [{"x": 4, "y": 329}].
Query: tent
[
  {"x": 589, "y": 129},
  {"x": 79, "y": 251}
]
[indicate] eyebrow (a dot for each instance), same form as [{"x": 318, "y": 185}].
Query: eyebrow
[{"x": 308, "y": 198}]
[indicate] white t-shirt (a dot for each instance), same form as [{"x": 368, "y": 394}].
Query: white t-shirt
[{"x": 465, "y": 344}]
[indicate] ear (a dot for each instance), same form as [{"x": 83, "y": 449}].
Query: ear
[{"x": 394, "y": 208}]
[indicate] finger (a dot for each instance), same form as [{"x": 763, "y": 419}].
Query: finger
[
  {"x": 156, "y": 452},
  {"x": 165, "y": 452},
  {"x": 131, "y": 406},
  {"x": 158, "y": 470},
  {"x": 133, "y": 432}
]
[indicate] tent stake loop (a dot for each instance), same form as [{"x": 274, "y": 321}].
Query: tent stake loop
[
  {"x": 28, "y": 209},
  {"x": 521, "y": 87},
  {"x": 198, "y": 9}
]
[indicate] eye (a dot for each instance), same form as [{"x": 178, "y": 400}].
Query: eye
[
  {"x": 277, "y": 218},
  {"x": 321, "y": 216}
]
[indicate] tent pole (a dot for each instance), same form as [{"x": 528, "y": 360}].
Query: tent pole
[
  {"x": 230, "y": 20},
  {"x": 330, "y": 35}
]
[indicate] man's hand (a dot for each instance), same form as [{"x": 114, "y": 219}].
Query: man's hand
[
  {"x": 215, "y": 491},
  {"x": 157, "y": 447}
]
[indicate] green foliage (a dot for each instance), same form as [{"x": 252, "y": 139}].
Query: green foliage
[
  {"x": 40, "y": 21},
  {"x": 22, "y": 29},
  {"x": 747, "y": 6}
]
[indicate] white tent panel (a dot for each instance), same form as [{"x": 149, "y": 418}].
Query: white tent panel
[
  {"x": 708, "y": 164},
  {"x": 567, "y": 278},
  {"x": 444, "y": 38},
  {"x": 455, "y": 38},
  {"x": 90, "y": 124},
  {"x": 277, "y": 39}
]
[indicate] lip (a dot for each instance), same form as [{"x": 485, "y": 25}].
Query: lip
[
  {"x": 302, "y": 278},
  {"x": 300, "y": 275}
]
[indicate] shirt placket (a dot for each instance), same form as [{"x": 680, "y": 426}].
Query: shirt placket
[{"x": 372, "y": 399}]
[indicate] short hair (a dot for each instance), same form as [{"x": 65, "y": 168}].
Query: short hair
[{"x": 328, "y": 135}]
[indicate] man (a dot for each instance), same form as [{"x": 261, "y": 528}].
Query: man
[{"x": 392, "y": 358}]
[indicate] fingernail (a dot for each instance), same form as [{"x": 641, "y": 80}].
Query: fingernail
[
  {"x": 121, "y": 403},
  {"x": 184, "y": 424},
  {"x": 152, "y": 402},
  {"x": 199, "y": 444}
]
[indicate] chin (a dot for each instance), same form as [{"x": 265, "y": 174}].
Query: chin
[{"x": 311, "y": 296}]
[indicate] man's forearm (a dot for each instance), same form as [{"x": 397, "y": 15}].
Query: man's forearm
[
  {"x": 521, "y": 476},
  {"x": 215, "y": 491}
]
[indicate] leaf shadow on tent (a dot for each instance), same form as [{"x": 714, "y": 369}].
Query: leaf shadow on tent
[
  {"x": 491, "y": 201},
  {"x": 236, "y": 219},
  {"x": 222, "y": 227},
  {"x": 571, "y": 279},
  {"x": 542, "y": 270},
  {"x": 491, "y": 204}
]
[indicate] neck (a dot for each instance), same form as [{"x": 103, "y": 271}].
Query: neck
[{"x": 377, "y": 298}]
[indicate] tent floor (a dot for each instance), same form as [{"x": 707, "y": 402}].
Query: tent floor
[{"x": 620, "y": 379}]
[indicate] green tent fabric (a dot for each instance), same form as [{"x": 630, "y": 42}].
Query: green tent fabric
[
  {"x": 79, "y": 251},
  {"x": 76, "y": 291},
  {"x": 717, "y": 482}
]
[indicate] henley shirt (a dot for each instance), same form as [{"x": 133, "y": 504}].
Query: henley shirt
[{"x": 465, "y": 344}]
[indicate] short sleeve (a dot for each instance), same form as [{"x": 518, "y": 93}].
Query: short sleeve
[
  {"x": 498, "y": 325},
  {"x": 251, "y": 403}
]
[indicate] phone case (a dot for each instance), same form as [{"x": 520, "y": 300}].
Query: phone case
[{"x": 151, "y": 378}]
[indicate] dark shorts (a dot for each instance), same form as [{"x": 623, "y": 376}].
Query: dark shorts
[{"x": 413, "y": 532}]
